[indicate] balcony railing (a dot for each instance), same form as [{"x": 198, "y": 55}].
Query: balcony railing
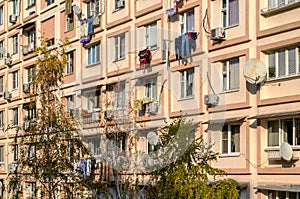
[{"x": 91, "y": 117}]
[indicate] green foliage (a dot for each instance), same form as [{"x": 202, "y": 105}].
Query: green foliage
[{"x": 189, "y": 174}]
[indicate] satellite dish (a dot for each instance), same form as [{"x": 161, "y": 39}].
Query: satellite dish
[
  {"x": 286, "y": 151},
  {"x": 2, "y": 50},
  {"x": 255, "y": 71},
  {"x": 152, "y": 138},
  {"x": 76, "y": 10}
]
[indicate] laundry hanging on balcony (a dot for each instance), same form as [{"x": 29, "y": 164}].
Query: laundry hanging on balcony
[
  {"x": 171, "y": 7},
  {"x": 145, "y": 58},
  {"x": 86, "y": 29},
  {"x": 185, "y": 43}
]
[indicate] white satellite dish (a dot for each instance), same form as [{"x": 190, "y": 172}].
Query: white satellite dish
[
  {"x": 152, "y": 138},
  {"x": 286, "y": 151},
  {"x": 255, "y": 71},
  {"x": 76, "y": 10}
]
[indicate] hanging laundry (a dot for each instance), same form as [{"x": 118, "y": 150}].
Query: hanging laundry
[
  {"x": 145, "y": 57},
  {"x": 192, "y": 40},
  {"x": 192, "y": 35},
  {"x": 178, "y": 47},
  {"x": 84, "y": 30},
  {"x": 90, "y": 25}
]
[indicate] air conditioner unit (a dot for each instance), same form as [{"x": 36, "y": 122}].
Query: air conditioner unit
[
  {"x": 26, "y": 87},
  {"x": 26, "y": 125},
  {"x": 7, "y": 61},
  {"x": 7, "y": 95},
  {"x": 96, "y": 21},
  {"x": 13, "y": 18},
  {"x": 108, "y": 114},
  {"x": 11, "y": 167},
  {"x": 217, "y": 34},
  {"x": 211, "y": 99},
  {"x": 120, "y": 3},
  {"x": 152, "y": 107},
  {"x": 25, "y": 50}
]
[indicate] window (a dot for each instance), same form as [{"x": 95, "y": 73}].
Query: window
[
  {"x": 1, "y": 154},
  {"x": 186, "y": 83},
  {"x": 15, "y": 116},
  {"x": 230, "y": 139},
  {"x": 70, "y": 105},
  {"x": 120, "y": 46},
  {"x": 69, "y": 22},
  {"x": 30, "y": 3},
  {"x": 93, "y": 8},
  {"x": 119, "y": 4},
  {"x": 1, "y": 84},
  {"x": 94, "y": 54},
  {"x": 15, "y": 42},
  {"x": 282, "y": 63},
  {"x": 15, "y": 153},
  {"x": 50, "y": 42},
  {"x": 284, "y": 130},
  {"x": 1, "y": 15},
  {"x": 30, "y": 112},
  {"x": 30, "y": 74},
  {"x": 187, "y": 21},
  {"x": 1, "y": 46},
  {"x": 151, "y": 147},
  {"x": 273, "y": 4},
  {"x": 15, "y": 7},
  {"x": 151, "y": 36},
  {"x": 231, "y": 74},
  {"x": 151, "y": 88},
  {"x": 282, "y": 195},
  {"x": 30, "y": 189},
  {"x": 93, "y": 144},
  {"x": 31, "y": 151},
  {"x": 70, "y": 63},
  {"x": 15, "y": 80},
  {"x": 121, "y": 143},
  {"x": 1, "y": 119},
  {"x": 92, "y": 100},
  {"x": 49, "y": 2},
  {"x": 120, "y": 95},
  {"x": 230, "y": 13},
  {"x": 31, "y": 39}
]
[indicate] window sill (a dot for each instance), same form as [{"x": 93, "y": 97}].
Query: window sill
[
  {"x": 118, "y": 9},
  {"x": 69, "y": 74},
  {"x": 48, "y": 8},
  {"x": 186, "y": 98},
  {"x": 237, "y": 154},
  {"x": 230, "y": 91},
  {"x": 92, "y": 65},
  {"x": 31, "y": 6},
  {"x": 231, "y": 26},
  {"x": 266, "y": 12},
  {"x": 119, "y": 59},
  {"x": 14, "y": 89},
  {"x": 277, "y": 148},
  {"x": 67, "y": 31},
  {"x": 273, "y": 79}
]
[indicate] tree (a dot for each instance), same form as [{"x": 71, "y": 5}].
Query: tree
[
  {"x": 48, "y": 143},
  {"x": 183, "y": 170}
]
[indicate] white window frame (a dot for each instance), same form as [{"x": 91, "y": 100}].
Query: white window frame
[
  {"x": 151, "y": 88},
  {"x": 15, "y": 7},
  {"x": 225, "y": 9},
  {"x": 15, "y": 153},
  {"x": 94, "y": 142},
  {"x": 1, "y": 46},
  {"x": 92, "y": 99},
  {"x": 120, "y": 42},
  {"x": 286, "y": 67},
  {"x": 1, "y": 15},
  {"x": 30, "y": 3},
  {"x": 120, "y": 99},
  {"x": 150, "y": 39},
  {"x": 30, "y": 112},
  {"x": 93, "y": 8},
  {"x": 15, "y": 44},
  {"x": 183, "y": 17},
  {"x": 50, "y": 2},
  {"x": 2, "y": 120},
  {"x": 70, "y": 63},
  {"x": 281, "y": 132},
  {"x": 185, "y": 82},
  {"x": 227, "y": 75},
  {"x": 30, "y": 189},
  {"x": 93, "y": 54},
  {"x": 30, "y": 74},
  {"x": 15, "y": 116},
  {"x": 274, "y": 4},
  {"x": 15, "y": 80},
  {"x": 229, "y": 134},
  {"x": 70, "y": 105},
  {"x": 118, "y": 4},
  {"x": 70, "y": 22},
  {"x": 1, "y": 84},
  {"x": 31, "y": 151},
  {"x": 2, "y": 148}
]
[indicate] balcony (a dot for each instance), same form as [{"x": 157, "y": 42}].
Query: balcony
[
  {"x": 91, "y": 117},
  {"x": 279, "y": 7},
  {"x": 28, "y": 48},
  {"x": 146, "y": 106}
]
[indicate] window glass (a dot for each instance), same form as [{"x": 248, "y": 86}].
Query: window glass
[{"x": 273, "y": 133}]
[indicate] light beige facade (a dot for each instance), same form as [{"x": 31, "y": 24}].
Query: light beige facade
[{"x": 103, "y": 74}]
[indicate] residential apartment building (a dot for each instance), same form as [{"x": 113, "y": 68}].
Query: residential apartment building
[{"x": 198, "y": 52}]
